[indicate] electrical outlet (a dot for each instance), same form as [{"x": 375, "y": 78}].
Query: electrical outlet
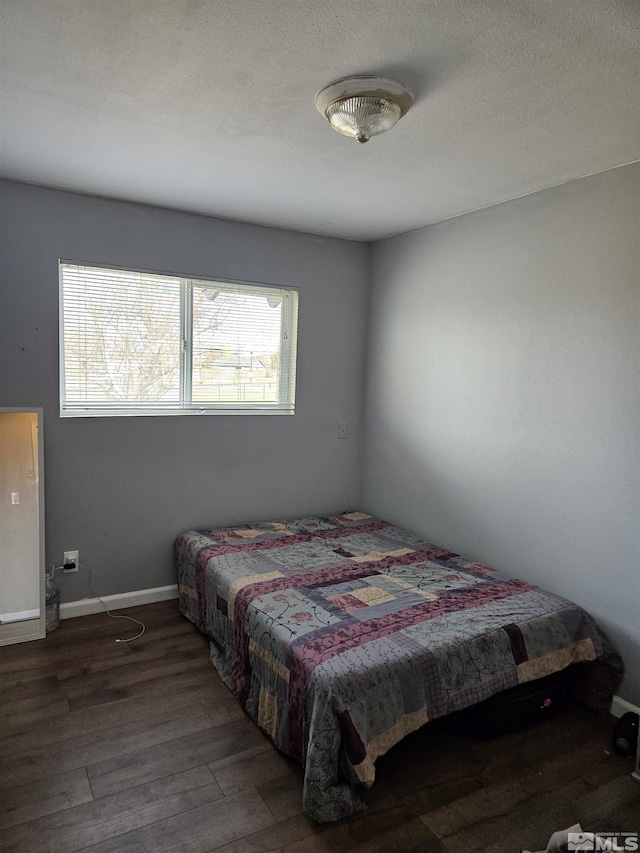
[{"x": 71, "y": 557}]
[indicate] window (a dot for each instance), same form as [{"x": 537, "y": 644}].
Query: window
[{"x": 137, "y": 343}]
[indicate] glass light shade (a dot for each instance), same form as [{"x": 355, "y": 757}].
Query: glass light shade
[
  {"x": 363, "y": 116},
  {"x": 362, "y": 107}
]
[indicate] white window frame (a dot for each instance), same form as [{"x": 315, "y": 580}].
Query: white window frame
[{"x": 185, "y": 406}]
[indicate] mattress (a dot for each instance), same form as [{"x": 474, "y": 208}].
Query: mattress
[{"x": 341, "y": 635}]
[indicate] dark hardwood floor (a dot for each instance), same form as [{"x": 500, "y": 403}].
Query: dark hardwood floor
[{"x": 109, "y": 747}]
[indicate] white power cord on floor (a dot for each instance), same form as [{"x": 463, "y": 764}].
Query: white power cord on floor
[
  {"x": 109, "y": 613},
  {"x": 54, "y": 569}
]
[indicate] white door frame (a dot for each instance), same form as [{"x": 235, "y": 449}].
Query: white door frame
[{"x": 34, "y": 628}]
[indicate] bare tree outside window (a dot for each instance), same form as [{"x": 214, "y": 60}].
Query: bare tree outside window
[
  {"x": 124, "y": 343},
  {"x": 135, "y": 338}
]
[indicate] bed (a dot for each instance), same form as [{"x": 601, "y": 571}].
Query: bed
[{"x": 341, "y": 635}]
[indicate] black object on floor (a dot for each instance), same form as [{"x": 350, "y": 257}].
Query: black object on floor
[
  {"x": 625, "y": 735},
  {"x": 522, "y": 706}
]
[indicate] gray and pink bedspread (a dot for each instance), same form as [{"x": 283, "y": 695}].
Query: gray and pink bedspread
[{"x": 341, "y": 635}]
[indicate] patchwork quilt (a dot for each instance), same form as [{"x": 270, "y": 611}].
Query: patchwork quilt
[{"x": 341, "y": 635}]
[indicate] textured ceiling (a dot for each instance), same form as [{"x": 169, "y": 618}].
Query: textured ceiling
[{"x": 208, "y": 105}]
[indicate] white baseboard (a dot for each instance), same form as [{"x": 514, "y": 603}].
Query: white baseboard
[
  {"x": 86, "y": 606},
  {"x": 19, "y": 616},
  {"x": 621, "y": 706},
  {"x": 19, "y": 632}
]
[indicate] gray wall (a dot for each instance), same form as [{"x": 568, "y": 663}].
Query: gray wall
[
  {"x": 503, "y": 406},
  {"x": 502, "y": 415},
  {"x": 121, "y": 489}
]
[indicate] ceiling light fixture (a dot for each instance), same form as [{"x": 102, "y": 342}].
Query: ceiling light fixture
[{"x": 362, "y": 107}]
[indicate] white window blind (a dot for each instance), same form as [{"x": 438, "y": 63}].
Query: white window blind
[{"x": 143, "y": 343}]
